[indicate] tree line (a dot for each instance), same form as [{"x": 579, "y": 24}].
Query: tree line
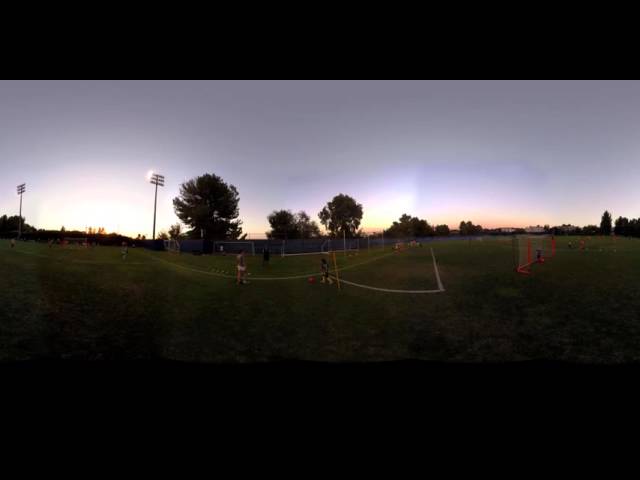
[
  {"x": 210, "y": 208},
  {"x": 9, "y": 226},
  {"x": 626, "y": 227}
]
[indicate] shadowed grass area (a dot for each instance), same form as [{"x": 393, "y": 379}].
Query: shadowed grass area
[{"x": 580, "y": 306}]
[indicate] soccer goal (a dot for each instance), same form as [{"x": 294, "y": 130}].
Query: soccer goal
[
  {"x": 531, "y": 249},
  {"x": 172, "y": 246},
  {"x": 234, "y": 247}
]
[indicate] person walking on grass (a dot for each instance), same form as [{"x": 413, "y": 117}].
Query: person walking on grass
[
  {"x": 13, "y": 242},
  {"x": 124, "y": 251},
  {"x": 324, "y": 267},
  {"x": 265, "y": 256},
  {"x": 241, "y": 267}
]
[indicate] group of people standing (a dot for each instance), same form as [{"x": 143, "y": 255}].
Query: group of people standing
[{"x": 241, "y": 267}]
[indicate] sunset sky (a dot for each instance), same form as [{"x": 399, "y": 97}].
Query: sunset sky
[{"x": 497, "y": 153}]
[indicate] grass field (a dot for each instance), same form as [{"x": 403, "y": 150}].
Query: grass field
[{"x": 468, "y": 305}]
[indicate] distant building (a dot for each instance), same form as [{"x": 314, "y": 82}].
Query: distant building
[
  {"x": 507, "y": 229},
  {"x": 536, "y": 229}
]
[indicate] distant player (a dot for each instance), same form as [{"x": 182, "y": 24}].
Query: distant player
[
  {"x": 124, "y": 251},
  {"x": 581, "y": 244},
  {"x": 241, "y": 267},
  {"x": 13, "y": 242},
  {"x": 50, "y": 242},
  {"x": 570, "y": 244},
  {"x": 265, "y": 256},
  {"x": 324, "y": 268},
  {"x": 222, "y": 252}
]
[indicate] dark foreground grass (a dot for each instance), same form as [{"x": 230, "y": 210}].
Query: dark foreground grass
[{"x": 581, "y": 306}]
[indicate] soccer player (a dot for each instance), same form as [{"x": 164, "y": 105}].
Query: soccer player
[
  {"x": 124, "y": 251},
  {"x": 222, "y": 250},
  {"x": 13, "y": 242},
  {"x": 324, "y": 267},
  {"x": 265, "y": 256},
  {"x": 241, "y": 266}
]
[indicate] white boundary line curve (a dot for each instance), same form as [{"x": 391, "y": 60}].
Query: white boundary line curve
[
  {"x": 293, "y": 277},
  {"x": 440, "y": 288}
]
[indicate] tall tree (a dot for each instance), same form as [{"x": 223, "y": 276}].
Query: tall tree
[
  {"x": 468, "y": 228},
  {"x": 341, "y": 215},
  {"x": 621, "y": 226},
  {"x": 420, "y": 228},
  {"x": 175, "y": 231},
  {"x": 209, "y": 206},
  {"x": 9, "y": 225},
  {"x": 283, "y": 225},
  {"x": 605, "y": 223},
  {"x": 442, "y": 230},
  {"x": 408, "y": 226},
  {"x": 308, "y": 228},
  {"x": 589, "y": 230}
]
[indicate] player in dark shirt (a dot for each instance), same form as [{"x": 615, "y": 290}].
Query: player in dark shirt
[{"x": 324, "y": 266}]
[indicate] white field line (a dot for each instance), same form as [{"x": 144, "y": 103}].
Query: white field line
[
  {"x": 391, "y": 290},
  {"x": 293, "y": 277},
  {"x": 305, "y": 253},
  {"x": 357, "y": 250},
  {"x": 435, "y": 267}
]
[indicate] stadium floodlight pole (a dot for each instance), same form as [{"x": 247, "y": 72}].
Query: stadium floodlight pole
[
  {"x": 20, "y": 189},
  {"x": 158, "y": 181}
]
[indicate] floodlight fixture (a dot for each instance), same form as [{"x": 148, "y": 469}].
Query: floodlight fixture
[
  {"x": 20, "y": 189},
  {"x": 158, "y": 181}
]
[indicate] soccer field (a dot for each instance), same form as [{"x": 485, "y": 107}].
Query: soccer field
[{"x": 452, "y": 300}]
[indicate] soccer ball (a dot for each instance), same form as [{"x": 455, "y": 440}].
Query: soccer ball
[{"x": 312, "y": 279}]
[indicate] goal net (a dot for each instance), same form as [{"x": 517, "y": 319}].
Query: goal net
[
  {"x": 172, "y": 246},
  {"x": 234, "y": 247},
  {"x": 531, "y": 249}
]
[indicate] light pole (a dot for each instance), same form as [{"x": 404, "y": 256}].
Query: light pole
[
  {"x": 21, "y": 189},
  {"x": 344, "y": 241},
  {"x": 158, "y": 181}
]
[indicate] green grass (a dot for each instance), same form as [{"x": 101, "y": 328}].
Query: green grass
[{"x": 580, "y": 306}]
